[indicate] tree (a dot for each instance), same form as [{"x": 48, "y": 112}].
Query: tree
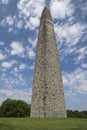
[
  {"x": 70, "y": 113},
  {"x": 14, "y": 108},
  {"x": 77, "y": 114},
  {"x": 0, "y": 112},
  {"x": 83, "y": 114}
]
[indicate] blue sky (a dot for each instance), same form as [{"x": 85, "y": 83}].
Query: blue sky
[{"x": 19, "y": 23}]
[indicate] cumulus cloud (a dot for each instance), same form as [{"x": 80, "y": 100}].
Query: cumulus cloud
[
  {"x": 71, "y": 33},
  {"x": 10, "y": 29},
  {"x": 32, "y": 23},
  {"x": 15, "y": 71},
  {"x": 76, "y": 81},
  {"x": 32, "y": 42},
  {"x": 22, "y": 66},
  {"x": 24, "y": 94},
  {"x": 5, "y": 2},
  {"x": 2, "y": 57},
  {"x": 12, "y": 22},
  {"x": 1, "y": 43},
  {"x": 19, "y": 24},
  {"x": 14, "y": 79},
  {"x": 61, "y": 8},
  {"x": 32, "y": 66},
  {"x": 7, "y": 65},
  {"x": 30, "y": 12},
  {"x": 31, "y": 53},
  {"x": 81, "y": 54},
  {"x": 30, "y": 8},
  {"x": 15, "y": 85},
  {"x": 83, "y": 65},
  {"x": 83, "y": 8},
  {"x": 9, "y": 21},
  {"x": 68, "y": 37},
  {"x": 17, "y": 48}
]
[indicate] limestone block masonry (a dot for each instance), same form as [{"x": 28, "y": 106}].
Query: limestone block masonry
[{"x": 47, "y": 93}]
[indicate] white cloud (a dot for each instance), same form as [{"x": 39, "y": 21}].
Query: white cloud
[
  {"x": 1, "y": 43},
  {"x": 34, "y": 21},
  {"x": 84, "y": 65},
  {"x": 83, "y": 7},
  {"x": 81, "y": 55},
  {"x": 70, "y": 32},
  {"x": 6, "y": 92},
  {"x": 15, "y": 70},
  {"x": 22, "y": 66},
  {"x": 5, "y": 2},
  {"x": 17, "y": 48},
  {"x": 14, "y": 79},
  {"x": 32, "y": 42},
  {"x": 68, "y": 37},
  {"x": 9, "y": 20},
  {"x": 32, "y": 66},
  {"x": 24, "y": 94},
  {"x": 30, "y": 8},
  {"x": 61, "y": 8},
  {"x": 21, "y": 6},
  {"x": 12, "y": 22},
  {"x": 76, "y": 81},
  {"x": 31, "y": 53},
  {"x": 3, "y": 23},
  {"x": 10, "y": 29},
  {"x": 2, "y": 57},
  {"x": 30, "y": 12},
  {"x": 8, "y": 64},
  {"x": 19, "y": 24}
]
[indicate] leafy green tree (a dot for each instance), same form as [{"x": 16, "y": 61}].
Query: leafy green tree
[
  {"x": 0, "y": 112},
  {"x": 83, "y": 114},
  {"x": 70, "y": 113},
  {"x": 14, "y": 108},
  {"x": 77, "y": 114}
]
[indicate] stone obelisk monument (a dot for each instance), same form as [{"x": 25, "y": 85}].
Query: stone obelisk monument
[{"x": 47, "y": 93}]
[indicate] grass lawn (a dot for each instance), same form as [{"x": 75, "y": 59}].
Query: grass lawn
[{"x": 42, "y": 124}]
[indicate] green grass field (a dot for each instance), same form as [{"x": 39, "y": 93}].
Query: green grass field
[{"x": 42, "y": 124}]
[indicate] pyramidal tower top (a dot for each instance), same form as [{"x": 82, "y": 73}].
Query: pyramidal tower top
[
  {"x": 47, "y": 92},
  {"x": 46, "y": 14}
]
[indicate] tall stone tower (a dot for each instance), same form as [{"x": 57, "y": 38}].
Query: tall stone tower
[{"x": 47, "y": 93}]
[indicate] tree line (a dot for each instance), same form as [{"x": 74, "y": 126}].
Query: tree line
[
  {"x": 14, "y": 108},
  {"x": 77, "y": 114},
  {"x": 19, "y": 108}
]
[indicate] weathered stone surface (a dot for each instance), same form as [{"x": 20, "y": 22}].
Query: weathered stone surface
[{"x": 47, "y": 93}]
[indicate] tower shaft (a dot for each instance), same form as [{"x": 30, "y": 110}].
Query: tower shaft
[{"x": 47, "y": 93}]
